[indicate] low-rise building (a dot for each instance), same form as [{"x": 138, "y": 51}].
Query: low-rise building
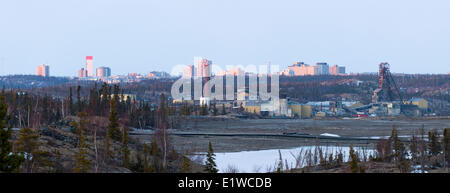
[
  {"x": 420, "y": 102},
  {"x": 253, "y": 107}
]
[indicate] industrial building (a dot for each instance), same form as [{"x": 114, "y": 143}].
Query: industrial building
[{"x": 280, "y": 108}]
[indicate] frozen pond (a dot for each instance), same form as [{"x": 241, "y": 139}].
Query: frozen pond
[{"x": 267, "y": 160}]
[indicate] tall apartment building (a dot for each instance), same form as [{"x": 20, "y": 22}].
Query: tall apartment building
[
  {"x": 203, "y": 67},
  {"x": 90, "y": 66},
  {"x": 341, "y": 70},
  {"x": 334, "y": 70},
  {"x": 322, "y": 68},
  {"x": 188, "y": 71},
  {"x": 103, "y": 71},
  {"x": 337, "y": 70},
  {"x": 43, "y": 70}
]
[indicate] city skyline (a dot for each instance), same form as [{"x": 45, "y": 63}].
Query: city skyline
[
  {"x": 151, "y": 35},
  {"x": 204, "y": 66}
]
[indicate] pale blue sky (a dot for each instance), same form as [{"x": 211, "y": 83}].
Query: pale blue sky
[{"x": 146, "y": 35}]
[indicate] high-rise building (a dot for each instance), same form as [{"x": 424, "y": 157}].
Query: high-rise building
[
  {"x": 43, "y": 70},
  {"x": 299, "y": 69},
  {"x": 322, "y": 68},
  {"x": 341, "y": 70},
  {"x": 103, "y": 71},
  {"x": 334, "y": 69},
  {"x": 82, "y": 73},
  {"x": 188, "y": 71},
  {"x": 337, "y": 70},
  {"x": 90, "y": 66},
  {"x": 203, "y": 67}
]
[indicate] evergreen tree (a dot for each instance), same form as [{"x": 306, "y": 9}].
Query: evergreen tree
[
  {"x": 9, "y": 161},
  {"x": 28, "y": 144},
  {"x": 71, "y": 108},
  {"x": 354, "y": 159},
  {"x": 79, "y": 105},
  {"x": 125, "y": 150},
  {"x": 210, "y": 163},
  {"x": 113, "y": 126},
  {"x": 45, "y": 117},
  {"x": 446, "y": 146},
  {"x": 94, "y": 101},
  {"x": 82, "y": 162},
  {"x": 155, "y": 154},
  {"x": 107, "y": 151},
  {"x": 186, "y": 165},
  {"x": 154, "y": 150},
  {"x": 147, "y": 168},
  {"x": 433, "y": 143},
  {"x": 397, "y": 146}
]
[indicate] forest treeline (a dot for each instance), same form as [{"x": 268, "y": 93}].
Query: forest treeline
[{"x": 98, "y": 136}]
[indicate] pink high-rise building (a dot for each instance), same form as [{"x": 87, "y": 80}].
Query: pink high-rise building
[
  {"x": 43, "y": 70},
  {"x": 90, "y": 66},
  {"x": 188, "y": 71},
  {"x": 334, "y": 69},
  {"x": 203, "y": 67},
  {"x": 337, "y": 70}
]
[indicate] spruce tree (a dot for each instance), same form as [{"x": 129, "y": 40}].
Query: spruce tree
[
  {"x": 146, "y": 152},
  {"x": 354, "y": 159},
  {"x": 113, "y": 126},
  {"x": 125, "y": 150},
  {"x": 28, "y": 144},
  {"x": 433, "y": 143},
  {"x": 446, "y": 146},
  {"x": 107, "y": 151},
  {"x": 210, "y": 163},
  {"x": 79, "y": 105},
  {"x": 397, "y": 146},
  {"x": 186, "y": 165},
  {"x": 9, "y": 161},
  {"x": 82, "y": 162},
  {"x": 71, "y": 108}
]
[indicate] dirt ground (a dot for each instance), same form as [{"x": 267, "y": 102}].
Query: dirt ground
[{"x": 341, "y": 127}]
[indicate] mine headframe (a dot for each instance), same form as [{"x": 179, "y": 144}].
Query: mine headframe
[{"x": 387, "y": 88}]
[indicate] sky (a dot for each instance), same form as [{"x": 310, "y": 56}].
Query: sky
[{"x": 147, "y": 35}]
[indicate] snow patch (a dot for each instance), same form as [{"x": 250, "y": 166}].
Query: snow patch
[{"x": 329, "y": 135}]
